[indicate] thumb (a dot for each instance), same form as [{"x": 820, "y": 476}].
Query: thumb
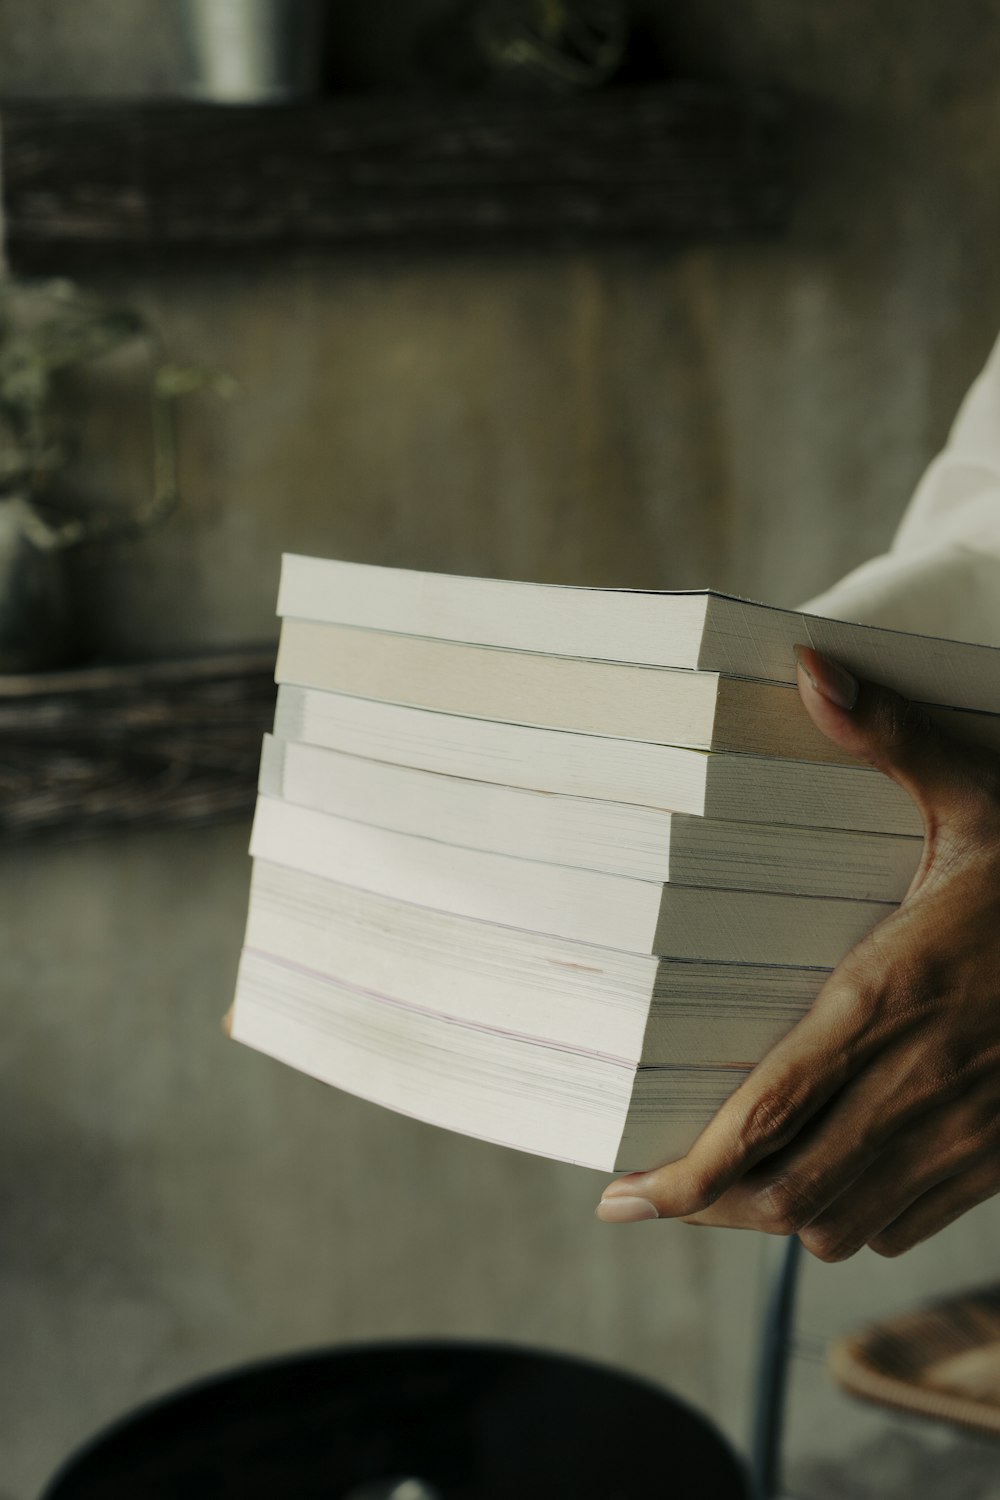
[{"x": 892, "y": 734}]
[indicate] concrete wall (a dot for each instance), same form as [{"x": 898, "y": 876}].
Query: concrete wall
[{"x": 751, "y": 417}]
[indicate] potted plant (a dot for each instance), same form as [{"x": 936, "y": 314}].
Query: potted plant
[{"x": 45, "y": 330}]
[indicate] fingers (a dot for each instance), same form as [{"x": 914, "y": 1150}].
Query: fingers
[
  {"x": 948, "y": 1143},
  {"x": 882, "y": 1196},
  {"x": 891, "y": 733},
  {"x": 227, "y": 1022},
  {"x": 938, "y": 1208},
  {"x": 824, "y": 1138},
  {"x": 884, "y": 1110},
  {"x": 863, "y": 1067},
  {"x": 869, "y": 1189},
  {"x": 767, "y": 1112}
]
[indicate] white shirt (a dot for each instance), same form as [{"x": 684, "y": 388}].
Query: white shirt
[{"x": 941, "y": 575}]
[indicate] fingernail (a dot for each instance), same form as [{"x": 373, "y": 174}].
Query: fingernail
[
  {"x": 625, "y": 1210},
  {"x": 830, "y": 680}
]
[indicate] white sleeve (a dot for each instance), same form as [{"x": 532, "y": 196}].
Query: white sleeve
[{"x": 941, "y": 575}]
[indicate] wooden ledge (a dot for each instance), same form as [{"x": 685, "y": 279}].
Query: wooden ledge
[
  {"x": 144, "y": 743},
  {"x": 672, "y": 161}
]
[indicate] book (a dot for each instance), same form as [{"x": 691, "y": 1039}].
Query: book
[
  {"x": 700, "y": 630},
  {"x": 708, "y": 785},
  {"x": 593, "y": 1111},
  {"x": 614, "y": 911},
  {"x": 640, "y": 1010},
  {"x": 657, "y": 705},
  {"x": 557, "y": 867},
  {"x": 647, "y": 843}
]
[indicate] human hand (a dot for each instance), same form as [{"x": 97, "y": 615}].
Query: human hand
[{"x": 876, "y": 1121}]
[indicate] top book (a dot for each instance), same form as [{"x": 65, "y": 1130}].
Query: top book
[{"x": 701, "y": 630}]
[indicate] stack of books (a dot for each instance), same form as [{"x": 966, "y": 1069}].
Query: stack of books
[{"x": 556, "y": 866}]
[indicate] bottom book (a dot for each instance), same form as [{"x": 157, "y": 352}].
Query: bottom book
[
  {"x": 581, "y": 1107},
  {"x": 588, "y": 1054}
]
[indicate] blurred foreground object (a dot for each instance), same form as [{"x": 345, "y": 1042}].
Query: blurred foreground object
[
  {"x": 253, "y": 51},
  {"x": 940, "y": 1362},
  {"x": 46, "y": 329},
  {"x": 410, "y": 1421}
]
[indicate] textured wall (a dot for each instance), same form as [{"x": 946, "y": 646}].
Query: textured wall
[{"x": 751, "y": 417}]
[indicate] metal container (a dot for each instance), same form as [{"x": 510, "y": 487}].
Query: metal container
[{"x": 253, "y": 51}]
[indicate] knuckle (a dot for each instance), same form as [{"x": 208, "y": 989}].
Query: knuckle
[
  {"x": 832, "y": 1242},
  {"x": 890, "y": 1246},
  {"x": 785, "y": 1206},
  {"x": 867, "y": 990},
  {"x": 768, "y": 1122}
]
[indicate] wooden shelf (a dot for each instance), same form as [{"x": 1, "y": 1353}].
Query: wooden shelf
[
  {"x": 147, "y": 743},
  {"x": 670, "y": 161}
]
